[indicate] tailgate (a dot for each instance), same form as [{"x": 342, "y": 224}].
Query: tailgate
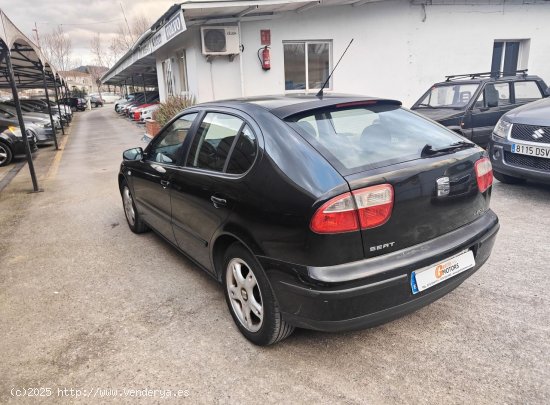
[{"x": 423, "y": 207}]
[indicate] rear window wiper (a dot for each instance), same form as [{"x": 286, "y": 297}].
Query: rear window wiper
[{"x": 428, "y": 149}]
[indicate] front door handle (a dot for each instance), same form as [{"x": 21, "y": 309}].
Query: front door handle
[
  {"x": 158, "y": 168},
  {"x": 218, "y": 202},
  {"x": 164, "y": 183}
]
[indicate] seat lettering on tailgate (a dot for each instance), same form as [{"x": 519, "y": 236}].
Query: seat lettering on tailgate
[{"x": 381, "y": 247}]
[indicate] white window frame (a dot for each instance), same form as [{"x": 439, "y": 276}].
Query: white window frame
[
  {"x": 182, "y": 70},
  {"x": 168, "y": 73},
  {"x": 523, "y": 52},
  {"x": 330, "y": 67}
]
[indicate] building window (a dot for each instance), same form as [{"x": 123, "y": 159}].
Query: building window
[
  {"x": 307, "y": 64},
  {"x": 168, "y": 77},
  {"x": 184, "y": 87},
  {"x": 509, "y": 56}
]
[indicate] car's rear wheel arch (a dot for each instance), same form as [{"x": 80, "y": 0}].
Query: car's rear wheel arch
[{"x": 220, "y": 246}]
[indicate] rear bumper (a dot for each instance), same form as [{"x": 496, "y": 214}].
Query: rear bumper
[{"x": 373, "y": 291}]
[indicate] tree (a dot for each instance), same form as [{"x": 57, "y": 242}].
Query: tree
[
  {"x": 57, "y": 46},
  {"x": 126, "y": 36}
]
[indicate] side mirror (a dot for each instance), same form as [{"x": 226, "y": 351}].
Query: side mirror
[
  {"x": 133, "y": 154},
  {"x": 548, "y": 92},
  {"x": 492, "y": 104}
]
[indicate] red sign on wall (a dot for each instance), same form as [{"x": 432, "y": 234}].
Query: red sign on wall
[{"x": 265, "y": 37}]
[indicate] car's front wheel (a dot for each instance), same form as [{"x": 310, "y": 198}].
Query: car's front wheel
[
  {"x": 5, "y": 154},
  {"x": 133, "y": 218},
  {"x": 250, "y": 298},
  {"x": 504, "y": 178}
]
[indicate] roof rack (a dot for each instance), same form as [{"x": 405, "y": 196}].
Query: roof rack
[{"x": 495, "y": 74}]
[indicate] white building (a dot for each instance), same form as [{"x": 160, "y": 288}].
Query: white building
[{"x": 400, "y": 47}]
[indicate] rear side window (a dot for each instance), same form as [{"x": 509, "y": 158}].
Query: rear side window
[
  {"x": 526, "y": 91},
  {"x": 224, "y": 143},
  {"x": 359, "y": 138},
  {"x": 243, "y": 153}
]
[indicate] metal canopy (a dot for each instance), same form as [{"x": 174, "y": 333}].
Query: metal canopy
[
  {"x": 23, "y": 66},
  {"x": 27, "y": 59}
]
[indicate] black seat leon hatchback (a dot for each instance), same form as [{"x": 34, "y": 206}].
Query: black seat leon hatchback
[{"x": 332, "y": 213}]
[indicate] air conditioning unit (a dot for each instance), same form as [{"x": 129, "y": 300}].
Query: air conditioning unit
[{"x": 218, "y": 40}]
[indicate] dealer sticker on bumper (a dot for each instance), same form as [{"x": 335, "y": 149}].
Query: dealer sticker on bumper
[{"x": 423, "y": 279}]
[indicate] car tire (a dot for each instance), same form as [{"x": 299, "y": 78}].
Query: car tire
[
  {"x": 504, "y": 178},
  {"x": 73, "y": 109},
  {"x": 135, "y": 223},
  {"x": 250, "y": 299},
  {"x": 6, "y": 154},
  {"x": 94, "y": 105}
]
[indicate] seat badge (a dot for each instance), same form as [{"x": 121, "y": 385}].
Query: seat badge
[{"x": 443, "y": 186}]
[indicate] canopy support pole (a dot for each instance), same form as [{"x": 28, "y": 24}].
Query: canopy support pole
[
  {"x": 144, "y": 92},
  {"x": 50, "y": 110},
  {"x": 16, "y": 101},
  {"x": 59, "y": 108}
]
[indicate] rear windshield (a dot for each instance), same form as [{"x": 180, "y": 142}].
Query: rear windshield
[{"x": 355, "y": 139}]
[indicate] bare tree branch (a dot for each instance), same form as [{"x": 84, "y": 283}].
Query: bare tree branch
[
  {"x": 124, "y": 39},
  {"x": 57, "y": 46}
]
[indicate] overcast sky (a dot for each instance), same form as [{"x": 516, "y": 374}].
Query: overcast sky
[{"x": 80, "y": 18}]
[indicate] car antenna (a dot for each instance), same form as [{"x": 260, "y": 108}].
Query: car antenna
[{"x": 320, "y": 93}]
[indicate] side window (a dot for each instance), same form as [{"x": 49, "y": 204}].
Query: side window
[
  {"x": 526, "y": 91},
  {"x": 480, "y": 102},
  {"x": 212, "y": 144},
  {"x": 166, "y": 145},
  {"x": 503, "y": 90},
  {"x": 244, "y": 152}
]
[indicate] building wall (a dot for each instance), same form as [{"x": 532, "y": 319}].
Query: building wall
[
  {"x": 395, "y": 53},
  {"x": 398, "y": 50}
]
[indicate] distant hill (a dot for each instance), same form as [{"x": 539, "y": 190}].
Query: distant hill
[{"x": 88, "y": 68}]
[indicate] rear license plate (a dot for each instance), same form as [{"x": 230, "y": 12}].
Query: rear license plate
[
  {"x": 539, "y": 151},
  {"x": 423, "y": 279}
]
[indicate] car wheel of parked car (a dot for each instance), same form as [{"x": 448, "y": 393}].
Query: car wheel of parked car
[
  {"x": 94, "y": 105},
  {"x": 5, "y": 154},
  {"x": 134, "y": 221},
  {"x": 504, "y": 178},
  {"x": 250, "y": 298}
]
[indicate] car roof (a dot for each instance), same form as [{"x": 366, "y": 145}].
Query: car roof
[{"x": 286, "y": 105}]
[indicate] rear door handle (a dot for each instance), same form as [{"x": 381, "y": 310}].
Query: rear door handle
[
  {"x": 164, "y": 183},
  {"x": 218, "y": 202}
]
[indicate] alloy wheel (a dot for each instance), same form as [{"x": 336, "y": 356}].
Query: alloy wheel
[
  {"x": 3, "y": 154},
  {"x": 244, "y": 294},
  {"x": 128, "y": 206}
]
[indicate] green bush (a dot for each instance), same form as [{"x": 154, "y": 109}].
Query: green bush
[{"x": 172, "y": 106}]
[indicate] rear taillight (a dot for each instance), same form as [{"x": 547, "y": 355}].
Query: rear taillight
[
  {"x": 374, "y": 205},
  {"x": 484, "y": 174},
  {"x": 364, "y": 208}
]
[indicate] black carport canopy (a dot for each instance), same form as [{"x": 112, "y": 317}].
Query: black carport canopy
[
  {"x": 27, "y": 59},
  {"x": 24, "y": 66}
]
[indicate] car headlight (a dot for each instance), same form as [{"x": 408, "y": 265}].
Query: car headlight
[
  {"x": 47, "y": 125},
  {"x": 502, "y": 129},
  {"x": 16, "y": 132}
]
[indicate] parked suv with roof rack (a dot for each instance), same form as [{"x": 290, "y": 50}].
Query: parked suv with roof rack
[
  {"x": 520, "y": 144},
  {"x": 472, "y": 104}
]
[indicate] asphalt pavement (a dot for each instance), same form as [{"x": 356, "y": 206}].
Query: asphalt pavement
[{"x": 92, "y": 313}]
